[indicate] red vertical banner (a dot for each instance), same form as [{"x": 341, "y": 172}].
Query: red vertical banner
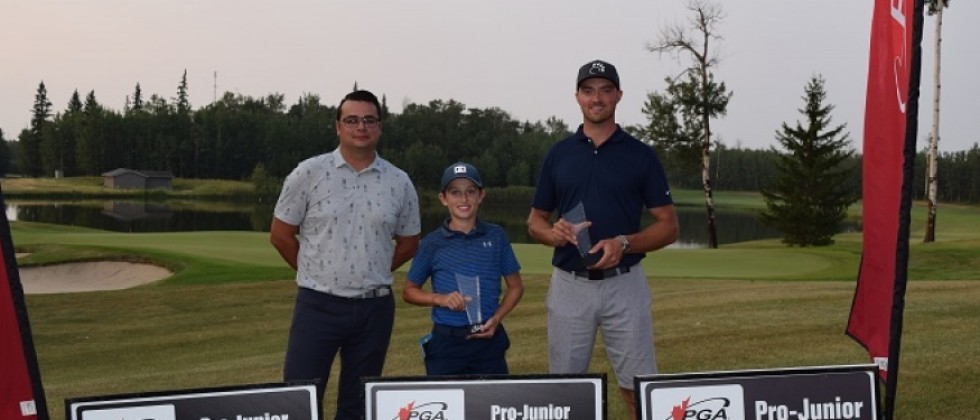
[
  {"x": 888, "y": 158},
  {"x": 21, "y": 393}
]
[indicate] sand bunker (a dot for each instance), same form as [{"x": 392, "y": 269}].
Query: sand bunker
[{"x": 89, "y": 276}]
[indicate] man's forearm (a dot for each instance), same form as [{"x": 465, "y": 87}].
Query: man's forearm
[
  {"x": 540, "y": 229},
  {"x": 405, "y": 247}
]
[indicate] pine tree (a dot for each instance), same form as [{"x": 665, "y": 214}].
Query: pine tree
[
  {"x": 30, "y": 158},
  {"x": 90, "y": 146},
  {"x": 808, "y": 200},
  {"x": 182, "y": 151},
  {"x": 75, "y": 103},
  {"x": 70, "y": 128},
  {"x": 4, "y": 156},
  {"x": 183, "y": 103},
  {"x": 137, "y": 104}
]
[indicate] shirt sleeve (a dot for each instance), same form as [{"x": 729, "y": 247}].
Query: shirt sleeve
[
  {"x": 291, "y": 206},
  {"x": 508, "y": 260},
  {"x": 544, "y": 192},
  {"x": 409, "y": 221},
  {"x": 657, "y": 192},
  {"x": 421, "y": 268}
]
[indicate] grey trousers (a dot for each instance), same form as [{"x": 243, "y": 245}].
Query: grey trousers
[{"x": 619, "y": 306}]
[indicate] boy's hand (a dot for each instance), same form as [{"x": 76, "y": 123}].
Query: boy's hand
[
  {"x": 488, "y": 329},
  {"x": 453, "y": 301}
]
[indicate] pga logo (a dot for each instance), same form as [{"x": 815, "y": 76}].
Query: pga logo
[
  {"x": 432, "y": 404},
  {"x": 698, "y": 403}
]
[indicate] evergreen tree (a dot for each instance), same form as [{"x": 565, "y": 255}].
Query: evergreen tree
[
  {"x": 90, "y": 147},
  {"x": 75, "y": 103},
  {"x": 809, "y": 197},
  {"x": 180, "y": 149},
  {"x": 4, "y": 156},
  {"x": 183, "y": 103},
  {"x": 137, "y": 104},
  {"x": 69, "y": 130},
  {"x": 30, "y": 158}
]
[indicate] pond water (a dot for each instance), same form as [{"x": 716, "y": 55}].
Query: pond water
[{"x": 197, "y": 215}]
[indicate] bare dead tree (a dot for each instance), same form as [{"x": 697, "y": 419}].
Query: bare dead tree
[
  {"x": 694, "y": 42},
  {"x": 935, "y": 7}
]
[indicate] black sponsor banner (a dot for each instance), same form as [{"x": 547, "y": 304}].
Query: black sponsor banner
[
  {"x": 811, "y": 393},
  {"x": 510, "y": 397},
  {"x": 250, "y": 402}
]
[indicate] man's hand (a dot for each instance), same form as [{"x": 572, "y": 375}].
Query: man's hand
[
  {"x": 564, "y": 232},
  {"x": 613, "y": 251}
]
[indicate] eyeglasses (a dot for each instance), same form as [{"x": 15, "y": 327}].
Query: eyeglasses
[{"x": 353, "y": 122}]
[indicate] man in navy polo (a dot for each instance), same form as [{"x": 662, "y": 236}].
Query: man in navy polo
[
  {"x": 614, "y": 177},
  {"x": 466, "y": 258}
]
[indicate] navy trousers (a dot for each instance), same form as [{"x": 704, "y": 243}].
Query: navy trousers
[
  {"x": 323, "y": 325},
  {"x": 449, "y": 352}
]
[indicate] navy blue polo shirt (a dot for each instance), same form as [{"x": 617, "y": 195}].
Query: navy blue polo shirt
[
  {"x": 484, "y": 252},
  {"x": 615, "y": 183}
]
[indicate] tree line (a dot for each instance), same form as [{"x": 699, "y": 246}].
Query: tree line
[
  {"x": 230, "y": 138},
  {"x": 743, "y": 169}
]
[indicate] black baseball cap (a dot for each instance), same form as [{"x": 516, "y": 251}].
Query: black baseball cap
[
  {"x": 598, "y": 68},
  {"x": 460, "y": 170}
]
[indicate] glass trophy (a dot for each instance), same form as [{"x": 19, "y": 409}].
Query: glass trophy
[
  {"x": 469, "y": 287},
  {"x": 576, "y": 216}
]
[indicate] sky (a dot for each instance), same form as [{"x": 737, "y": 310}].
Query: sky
[{"x": 519, "y": 55}]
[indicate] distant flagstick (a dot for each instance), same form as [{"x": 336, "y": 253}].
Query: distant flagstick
[
  {"x": 21, "y": 393},
  {"x": 891, "y": 124}
]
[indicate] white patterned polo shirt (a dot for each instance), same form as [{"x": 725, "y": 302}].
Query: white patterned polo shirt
[{"x": 347, "y": 221}]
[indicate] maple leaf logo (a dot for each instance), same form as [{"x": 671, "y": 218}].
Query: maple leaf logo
[
  {"x": 405, "y": 411},
  {"x": 679, "y": 410}
]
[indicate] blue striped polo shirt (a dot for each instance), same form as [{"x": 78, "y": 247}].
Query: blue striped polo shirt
[{"x": 485, "y": 252}]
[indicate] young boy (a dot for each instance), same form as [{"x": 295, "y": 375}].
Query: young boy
[{"x": 465, "y": 258}]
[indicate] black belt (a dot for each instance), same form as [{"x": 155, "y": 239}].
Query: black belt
[
  {"x": 601, "y": 274},
  {"x": 458, "y": 332},
  {"x": 370, "y": 294}
]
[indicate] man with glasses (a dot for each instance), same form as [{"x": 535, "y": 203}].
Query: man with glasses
[{"x": 345, "y": 220}]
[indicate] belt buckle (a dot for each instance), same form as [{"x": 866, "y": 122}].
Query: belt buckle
[
  {"x": 597, "y": 274},
  {"x": 375, "y": 293}
]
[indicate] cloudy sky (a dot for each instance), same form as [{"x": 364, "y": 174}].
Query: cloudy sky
[{"x": 519, "y": 55}]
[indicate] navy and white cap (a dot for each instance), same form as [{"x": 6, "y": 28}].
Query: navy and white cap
[
  {"x": 597, "y": 68},
  {"x": 460, "y": 170}
]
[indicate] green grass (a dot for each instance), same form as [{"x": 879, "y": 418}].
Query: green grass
[
  {"x": 222, "y": 318},
  {"x": 177, "y": 337}
]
